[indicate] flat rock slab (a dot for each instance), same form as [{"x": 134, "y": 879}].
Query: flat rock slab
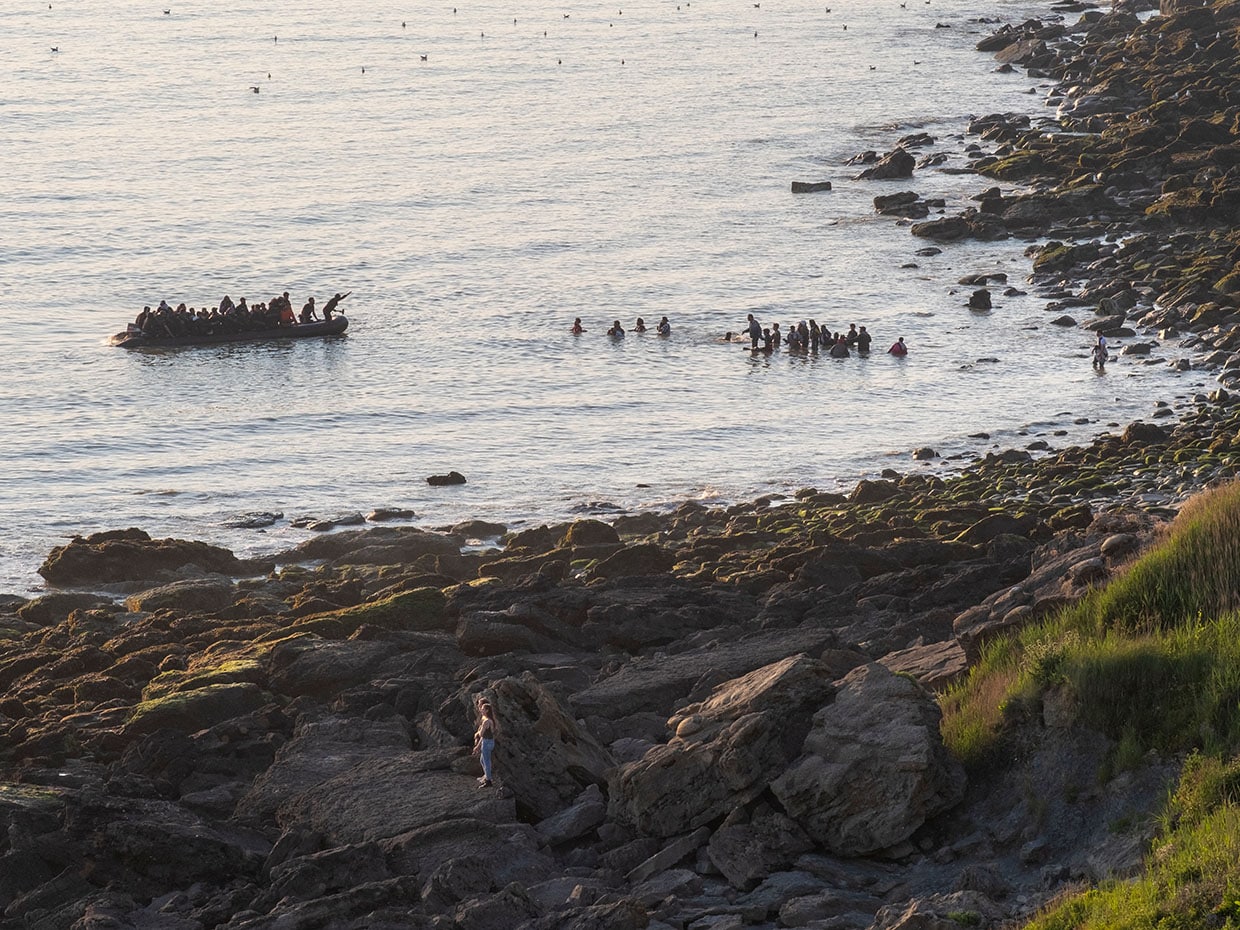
[
  {"x": 935, "y": 665},
  {"x": 659, "y": 684},
  {"x": 387, "y": 796}
]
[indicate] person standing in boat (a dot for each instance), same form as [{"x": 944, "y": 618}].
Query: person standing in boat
[
  {"x": 330, "y": 307},
  {"x": 226, "y": 305},
  {"x": 307, "y": 312}
]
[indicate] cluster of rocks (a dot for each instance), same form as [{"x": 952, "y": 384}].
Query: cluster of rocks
[
  {"x": 712, "y": 718},
  {"x": 1135, "y": 181}
]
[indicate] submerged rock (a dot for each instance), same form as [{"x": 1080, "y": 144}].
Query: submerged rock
[{"x": 452, "y": 477}]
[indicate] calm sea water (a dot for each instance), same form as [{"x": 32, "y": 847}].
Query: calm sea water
[{"x": 546, "y": 160}]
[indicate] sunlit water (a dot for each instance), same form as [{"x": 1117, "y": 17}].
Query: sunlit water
[{"x": 595, "y": 160}]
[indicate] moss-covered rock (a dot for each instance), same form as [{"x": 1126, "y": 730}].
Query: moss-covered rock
[{"x": 196, "y": 709}]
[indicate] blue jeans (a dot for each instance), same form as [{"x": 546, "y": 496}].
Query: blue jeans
[{"x": 488, "y": 746}]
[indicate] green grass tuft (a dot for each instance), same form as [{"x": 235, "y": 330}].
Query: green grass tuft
[
  {"x": 1153, "y": 663},
  {"x": 1152, "y": 660}
]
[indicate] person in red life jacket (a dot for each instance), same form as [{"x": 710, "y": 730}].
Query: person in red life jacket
[{"x": 898, "y": 348}]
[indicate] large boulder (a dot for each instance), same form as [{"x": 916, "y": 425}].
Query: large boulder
[
  {"x": 657, "y": 683},
  {"x": 308, "y": 665},
  {"x": 895, "y": 164},
  {"x": 319, "y": 751},
  {"x": 873, "y": 767},
  {"x": 641, "y": 559},
  {"x": 195, "y": 595},
  {"x": 196, "y": 709},
  {"x": 131, "y": 555},
  {"x": 379, "y": 545},
  {"x": 57, "y": 606},
  {"x": 725, "y": 750},
  {"x": 748, "y": 852}
]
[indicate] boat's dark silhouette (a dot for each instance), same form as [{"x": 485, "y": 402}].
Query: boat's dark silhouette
[{"x": 136, "y": 339}]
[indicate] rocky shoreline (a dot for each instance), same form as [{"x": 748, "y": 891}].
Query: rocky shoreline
[{"x": 710, "y": 719}]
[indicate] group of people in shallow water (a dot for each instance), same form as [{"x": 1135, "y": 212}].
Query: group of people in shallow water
[
  {"x": 617, "y": 331},
  {"x": 805, "y": 336},
  {"x": 230, "y": 317},
  {"x": 808, "y": 336}
]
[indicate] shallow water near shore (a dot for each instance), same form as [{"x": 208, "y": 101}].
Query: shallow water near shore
[{"x": 585, "y": 160}]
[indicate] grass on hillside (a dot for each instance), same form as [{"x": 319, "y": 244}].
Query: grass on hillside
[
  {"x": 1192, "y": 876},
  {"x": 1153, "y": 662}
]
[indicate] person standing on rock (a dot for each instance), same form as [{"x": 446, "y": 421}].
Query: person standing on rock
[{"x": 484, "y": 740}]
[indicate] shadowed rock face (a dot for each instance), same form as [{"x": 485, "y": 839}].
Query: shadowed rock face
[
  {"x": 725, "y": 749},
  {"x": 873, "y": 768}
]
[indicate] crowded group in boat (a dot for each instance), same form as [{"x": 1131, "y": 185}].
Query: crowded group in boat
[{"x": 231, "y": 317}]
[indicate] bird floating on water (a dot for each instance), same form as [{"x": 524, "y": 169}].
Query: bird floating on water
[
  {"x": 424, "y": 58},
  {"x": 55, "y": 48},
  {"x": 254, "y": 87}
]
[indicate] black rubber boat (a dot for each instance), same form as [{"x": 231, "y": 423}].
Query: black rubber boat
[{"x": 136, "y": 339}]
